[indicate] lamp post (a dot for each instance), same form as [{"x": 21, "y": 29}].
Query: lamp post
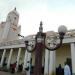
[{"x": 40, "y": 45}]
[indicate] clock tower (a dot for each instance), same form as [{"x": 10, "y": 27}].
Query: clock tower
[
  {"x": 13, "y": 17},
  {"x": 11, "y": 29}
]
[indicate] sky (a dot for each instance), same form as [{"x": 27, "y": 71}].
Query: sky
[{"x": 52, "y": 13}]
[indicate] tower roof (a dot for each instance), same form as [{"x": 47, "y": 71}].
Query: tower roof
[{"x": 14, "y": 11}]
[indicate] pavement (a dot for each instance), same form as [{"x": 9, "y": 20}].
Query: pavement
[{"x": 7, "y": 73}]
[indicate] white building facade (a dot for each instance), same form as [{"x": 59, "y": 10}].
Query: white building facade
[{"x": 13, "y": 49}]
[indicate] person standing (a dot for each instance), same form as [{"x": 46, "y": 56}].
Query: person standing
[
  {"x": 59, "y": 70},
  {"x": 67, "y": 69}
]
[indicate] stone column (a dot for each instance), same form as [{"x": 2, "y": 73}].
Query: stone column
[
  {"x": 2, "y": 59},
  {"x": 73, "y": 57},
  {"x": 9, "y": 59},
  {"x": 29, "y": 57},
  {"x": 52, "y": 63},
  {"x": 25, "y": 60},
  {"x": 28, "y": 62},
  {"x": 46, "y": 68},
  {"x": 18, "y": 57}
]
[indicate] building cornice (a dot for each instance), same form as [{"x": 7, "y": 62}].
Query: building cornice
[{"x": 68, "y": 38}]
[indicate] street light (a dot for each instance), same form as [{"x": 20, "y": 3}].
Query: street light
[{"x": 41, "y": 43}]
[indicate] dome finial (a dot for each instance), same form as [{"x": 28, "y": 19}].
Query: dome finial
[
  {"x": 41, "y": 28},
  {"x": 15, "y": 8}
]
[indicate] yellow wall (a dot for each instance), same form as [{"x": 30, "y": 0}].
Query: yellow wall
[{"x": 63, "y": 53}]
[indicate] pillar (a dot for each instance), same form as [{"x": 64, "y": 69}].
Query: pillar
[
  {"x": 46, "y": 68},
  {"x": 9, "y": 59},
  {"x": 18, "y": 57},
  {"x": 25, "y": 60},
  {"x": 29, "y": 62},
  {"x": 52, "y": 63},
  {"x": 2, "y": 59},
  {"x": 29, "y": 57},
  {"x": 73, "y": 57}
]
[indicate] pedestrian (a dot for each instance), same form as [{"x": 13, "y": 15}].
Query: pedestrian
[
  {"x": 59, "y": 70},
  {"x": 67, "y": 70},
  {"x": 13, "y": 66}
]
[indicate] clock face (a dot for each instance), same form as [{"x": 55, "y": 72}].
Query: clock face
[
  {"x": 51, "y": 42},
  {"x": 31, "y": 45}
]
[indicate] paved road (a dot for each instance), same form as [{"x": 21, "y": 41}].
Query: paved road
[{"x": 6, "y": 73}]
